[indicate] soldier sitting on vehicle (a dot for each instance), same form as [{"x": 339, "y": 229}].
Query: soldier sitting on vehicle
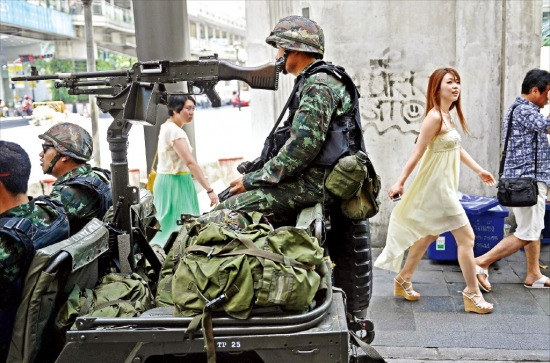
[
  {"x": 290, "y": 174},
  {"x": 83, "y": 191},
  {"x": 25, "y": 226}
]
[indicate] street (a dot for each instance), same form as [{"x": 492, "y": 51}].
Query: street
[{"x": 12, "y": 122}]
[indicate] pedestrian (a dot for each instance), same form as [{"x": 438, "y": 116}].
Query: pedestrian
[
  {"x": 528, "y": 144},
  {"x": 84, "y": 192},
  {"x": 25, "y": 225},
  {"x": 174, "y": 191},
  {"x": 431, "y": 205},
  {"x": 290, "y": 176}
]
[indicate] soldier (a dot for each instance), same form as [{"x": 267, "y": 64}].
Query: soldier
[
  {"x": 322, "y": 101},
  {"x": 83, "y": 191},
  {"x": 24, "y": 227}
]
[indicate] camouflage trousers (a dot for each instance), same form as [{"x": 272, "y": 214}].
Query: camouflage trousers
[{"x": 280, "y": 205}]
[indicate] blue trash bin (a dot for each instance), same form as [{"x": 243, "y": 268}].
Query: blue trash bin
[
  {"x": 487, "y": 219},
  {"x": 546, "y": 231}
]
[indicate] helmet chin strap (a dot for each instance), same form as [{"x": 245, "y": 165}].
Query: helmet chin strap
[{"x": 52, "y": 164}]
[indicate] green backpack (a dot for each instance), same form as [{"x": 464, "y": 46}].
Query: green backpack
[
  {"x": 163, "y": 295},
  {"x": 117, "y": 295},
  {"x": 222, "y": 266},
  {"x": 232, "y": 267}
]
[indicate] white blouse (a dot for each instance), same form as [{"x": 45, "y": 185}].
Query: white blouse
[{"x": 169, "y": 162}]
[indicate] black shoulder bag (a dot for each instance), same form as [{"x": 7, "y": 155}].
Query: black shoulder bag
[{"x": 516, "y": 192}]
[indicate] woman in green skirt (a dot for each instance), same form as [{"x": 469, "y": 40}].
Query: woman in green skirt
[{"x": 174, "y": 191}]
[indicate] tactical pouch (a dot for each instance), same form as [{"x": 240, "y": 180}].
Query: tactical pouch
[
  {"x": 346, "y": 178},
  {"x": 365, "y": 203}
]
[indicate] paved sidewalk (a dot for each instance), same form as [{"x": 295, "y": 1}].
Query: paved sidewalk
[{"x": 436, "y": 328}]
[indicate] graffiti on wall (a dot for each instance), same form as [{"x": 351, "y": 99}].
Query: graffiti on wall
[{"x": 393, "y": 97}]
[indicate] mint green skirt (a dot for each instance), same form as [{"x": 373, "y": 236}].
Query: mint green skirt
[{"x": 173, "y": 195}]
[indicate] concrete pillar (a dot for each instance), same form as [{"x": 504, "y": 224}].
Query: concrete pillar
[
  {"x": 90, "y": 63},
  {"x": 479, "y": 62},
  {"x": 162, "y": 32},
  {"x": 267, "y": 104}
]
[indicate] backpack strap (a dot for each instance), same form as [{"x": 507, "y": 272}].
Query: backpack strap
[
  {"x": 250, "y": 250},
  {"x": 22, "y": 229},
  {"x": 371, "y": 353},
  {"x": 104, "y": 174},
  {"x": 19, "y": 229},
  {"x": 57, "y": 231},
  {"x": 348, "y": 124}
]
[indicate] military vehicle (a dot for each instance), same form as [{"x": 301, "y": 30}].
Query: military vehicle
[{"x": 334, "y": 330}]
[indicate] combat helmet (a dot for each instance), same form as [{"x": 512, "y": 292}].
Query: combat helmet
[
  {"x": 298, "y": 33},
  {"x": 71, "y": 140}
]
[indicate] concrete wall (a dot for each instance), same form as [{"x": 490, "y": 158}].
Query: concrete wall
[{"x": 390, "y": 48}]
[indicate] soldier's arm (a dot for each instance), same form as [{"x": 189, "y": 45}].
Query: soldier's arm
[
  {"x": 77, "y": 201},
  {"x": 307, "y": 135}
]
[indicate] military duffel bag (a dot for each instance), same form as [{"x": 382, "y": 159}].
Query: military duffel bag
[
  {"x": 116, "y": 295},
  {"x": 232, "y": 268}
]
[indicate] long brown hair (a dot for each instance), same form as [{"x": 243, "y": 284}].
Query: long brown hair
[{"x": 433, "y": 99}]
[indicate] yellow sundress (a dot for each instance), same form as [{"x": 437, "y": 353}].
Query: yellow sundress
[{"x": 431, "y": 205}]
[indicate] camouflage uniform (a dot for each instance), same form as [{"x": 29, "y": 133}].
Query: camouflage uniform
[
  {"x": 291, "y": 180},
  {"x": 81, "y": 203},
  {"x": 14, "y": 264},
  {"x": 81, "y": 200}
]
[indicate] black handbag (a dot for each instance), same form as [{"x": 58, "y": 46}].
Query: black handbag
[{"x": 516, "y": 192}]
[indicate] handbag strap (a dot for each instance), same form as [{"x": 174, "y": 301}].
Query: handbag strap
[
  {"x": 503, "y": 155},
  {"x": 154, "y": 160}
]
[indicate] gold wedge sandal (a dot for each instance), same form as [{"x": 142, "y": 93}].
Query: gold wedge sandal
[
  {"x": 473, "y": 303},
  {"x": 408, "y": 293}
]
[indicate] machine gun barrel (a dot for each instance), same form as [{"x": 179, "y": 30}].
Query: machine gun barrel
[
  {"x": 65, "y": 84},
  {"x": 201, "y": 77},
  {"x": 35, "y": 77}
]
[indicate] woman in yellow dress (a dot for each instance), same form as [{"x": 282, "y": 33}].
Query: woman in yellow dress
[{"x": 431, "y": 205}]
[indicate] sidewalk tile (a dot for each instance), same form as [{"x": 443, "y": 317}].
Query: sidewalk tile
[{"x": 490, "y": 340}]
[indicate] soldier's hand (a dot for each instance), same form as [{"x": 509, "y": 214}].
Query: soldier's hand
[{"x": 237, "y": 186}]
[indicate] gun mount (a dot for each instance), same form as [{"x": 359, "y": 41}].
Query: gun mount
[{"x": 131, "y": 96}]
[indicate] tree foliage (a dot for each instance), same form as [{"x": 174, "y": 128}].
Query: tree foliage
[{"x": 53, "y": 66}]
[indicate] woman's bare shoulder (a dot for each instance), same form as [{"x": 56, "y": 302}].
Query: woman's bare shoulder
[
  {"x": 433, "y": 118},
  {"x": 434, "y": 114}
]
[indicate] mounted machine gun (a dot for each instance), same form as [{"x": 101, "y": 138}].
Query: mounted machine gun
[{"x": 131, "y": 96}]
